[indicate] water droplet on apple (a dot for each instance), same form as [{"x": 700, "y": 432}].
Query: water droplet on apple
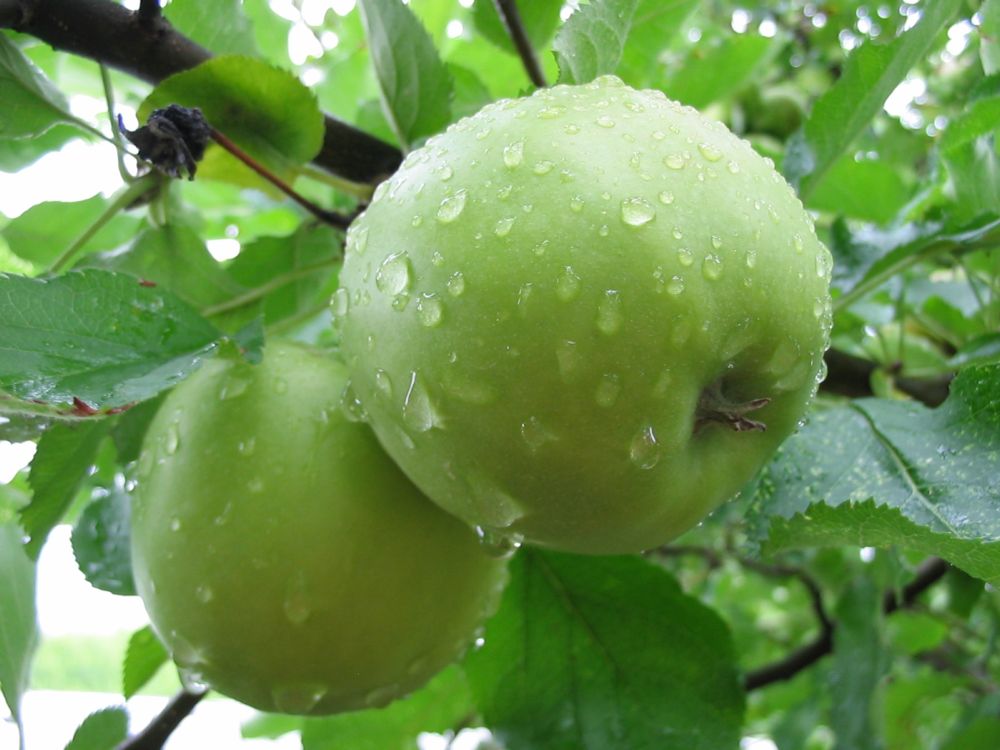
[
  {"x": 393, "y": 275},
  {"x": 351, "y": 406},
  {"x": 637, "y": 211},
  {"x": 543, "y": 167},
  {"x": 733, "y": 167},
  {"x": 608, "y": 390},
  {"x": 296, "y": 605},
  {"x": 710, "y": 152},
  {"x": 247, "y": 447},
  {"x": 535, "y": 434},
  {"x": 175, "y": 524},
  {"x": 674, "y": 161},
  {"x": 716, "y": 241},
  {"x": 711, "y": 267},
  {"x": 684, "y": 256},
  {"x": 644, "y": 450},
  {"x": 513, "y": 154},
  {"x": 451, "y": 207},
  {"x": 666, "y": 197},
  {"x": 203, "y": 593},
  {"x": 445, "y": 173},
  {"x": 498, "y": 544},
  {"x": 255, "y": 485},
  {"x": 567, "y": 285},
  {"x": 429, "y": 310},
  {"x": 503, "y": 226},
  {"x": 609, "y": 312},
  {"x": 676, "y": 285},
  {"x": 172, "y": 439},
  {"x": 419, "y": 412},
  {"x": 605, "y": 122},
  {"x": 298, "y": 698},
  {"x": 576, "y": 204}
]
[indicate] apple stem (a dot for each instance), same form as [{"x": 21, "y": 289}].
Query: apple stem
[{"x": 714, "y": 407}]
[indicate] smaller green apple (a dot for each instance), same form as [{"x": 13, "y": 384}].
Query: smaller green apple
[{"x": 283, "y": 558}]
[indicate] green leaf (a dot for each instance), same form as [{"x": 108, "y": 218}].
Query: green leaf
[
  {"x": 859, "y": 662},
  {"x": 219, "y": 26},
  {"x": 471, "y": 94},
  {"x": 102, "y": 730},
  {"x": 64, "y": 457},
  {"x": 589, "y": 653},
  {"x": 270, "y": 31},
  {"x": 19, "y": 624},
  {"x": 980, "y": 351},
  {"x": 591, "y": 42},
  {"x": 975, "y": 176},
  {"x": 143, "y": 659},
  {"x": 96, "y": 336},
  {"x": 415, "y": 84},
  {"x": 539, "y": 18},
  {"x": 881, "y": 473},
  {"x": 130, "y": 429},
  {"x": 267, "y": 111},
  {"x": 869, "y": 190},
  {"x": 101, "y": 543},
  {"x": 870, "y": 75},
  {"x": 45, "y": 230},
  {"x": 989, "y": 35},
  {"x": 175, "y": 258},
  {"x": 440, "y": 705},
  {"x": 982, "y": 117},
  {"x": 31, "y": 103},
  {"x": 713, "y": 73},
  {"x": 18, "y": 153},
  {"x": 654, "y": 24}
]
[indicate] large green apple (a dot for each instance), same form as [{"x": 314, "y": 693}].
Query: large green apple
[
  {"x": 585, "y": 317},
  {"x": 283, "y": 558}
]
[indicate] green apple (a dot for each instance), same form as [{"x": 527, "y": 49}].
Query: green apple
[
  {"x": 585, "y": 318},
  {"x": 283, "y": 558}
]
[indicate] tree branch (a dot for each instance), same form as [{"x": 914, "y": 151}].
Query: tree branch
[
  {"x": 511, "y": 17},
  {"x": 160, "y": 728},
  {"x": 851, "y": 376},
  {"x": 149, "y": 12},
  {"x": 111, "y": 34},
  {"x": 929, "y": 573}
]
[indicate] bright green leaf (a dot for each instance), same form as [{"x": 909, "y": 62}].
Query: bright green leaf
[
  {"x": 711, "y": 73},
  {"x": 869, "y": 190},
  {"x": 102, "y": 730},
  {"x": 539, "y": 18},
  {"x": 654, "y": 24},
  {"x": 64, "y": 457},
  {"x": 31, "y": 104},
  {"x": 870, "y": 75},
  {"x": 219, "y": 26},
  {"x": 591, "y": 42},
  {"x": 19, "y": 624},
  {"x": 143, "y": 659},
  {"x": 415, "y": 84}
]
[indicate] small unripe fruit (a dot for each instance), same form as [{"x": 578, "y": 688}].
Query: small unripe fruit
[
  {"x": 585, "y": 317},
  {"x": 283, "y": 558}
]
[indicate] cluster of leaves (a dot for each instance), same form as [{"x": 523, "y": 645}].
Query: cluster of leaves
[{"x": 106, "y": 303}]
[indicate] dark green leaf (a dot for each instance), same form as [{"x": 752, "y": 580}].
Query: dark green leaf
[
  {"x": 590, "y": 653},
  {"x": 18, "y": 428},
  {"x": 881, "y": 473},
  {"x": 143, "y": 659},
  {"x": 64, "y": 457},
  {"x": 219, "y": 26},
  {"x": 101, "y": 543},
  {"x": 265, "y": 110},
  {"x": 980, "y": 351},
  {"x": 859, "y": 662},
  {"x": 100, "y": 337},
  {"x": 102, "y": 730},
  {"x": 471, "y": 93},
  {"x": 31, "y": 104},
  {"x": 44, "y": 231},
  {"x": 539, "y": 18},
  {"x": 975, "y": 175},
  {"x": 130, "y": 429},
  {"x": 18, "y": 625},
  {"x": 712, "y": 73},
  {"x": 415, "y": 84},
  {"x": 442, "y": 704},
  {"x": 591, "y": 42},
  {"x": 870, "y": 75}
]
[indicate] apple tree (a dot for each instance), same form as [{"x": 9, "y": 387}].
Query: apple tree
[{"x": 540, "y": 375}]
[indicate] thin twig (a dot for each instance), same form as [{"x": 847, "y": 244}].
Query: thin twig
[
  {"x": 109, "y": 100},
  {"x": 511, "y": 17},
  {"x": 930, "y": 571},
  {"x": 159, "y": 729},
  {"x": 333, "y": 218},
  {"x": 275, "y": 282}
]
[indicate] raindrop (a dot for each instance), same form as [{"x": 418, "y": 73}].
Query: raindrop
[
  {"x": 567, "y": 285},
  {"x": 296, "y": 604},
  {"x": 572, "y": 129},
  {"x": 605, "y": 122},
  {"x": 568, "y": 359},
  {"x": 255, "y": 485},
  {"x": 711, "y": 267},
  {"x": 637, "y": 211},
  {"x": 357, "y": 239},
  {"x": 445, "y": 173},
  {"x": 674, "y": 161},
  {"x": 299, "y": 698},
  {"x": 797, "y": 243},
  {"x": 498, "y": 544},
  {"x": 247, "y": 447},
  {"x": 609, "y": 312},
  {"x": 504, "y": 192},
  {"x": 451, "y": 207},
  {"x": 503, "y": 226},
  {"x": 456, "y": 284},
  {"x": 523, "y": 294},
  {"x": 666, "y": 197},
  {"x": 607, "y": 390},
  {"x": 437, "y": 259},
  {"x": 644, "y": 450},
  {"x": 429, "y": 309},
  {"x": 204, "y": 593},
  {"x": 751, "y": 259},
  {"x": 383, "y": 382},
  {"x": 576, "y": 204},
  {"x": 419, "y": 413},
  {"x": 513, "y": 154},
  {"x": 551, "y": 112},
  {"x": 341, "y": 303},
  {"x": 711, "y": 153},
  {"x": 534, "y": 434},
  {"x": 172, "y": 439},
  {"x": 716, "y": 241},
  {"x": 733, "y": 167},
  {"x": 675, "y": 286},
  {"x": 393, "y": 275},
  {"x": 684, "y": 256},
  {"x": 175, "y": 524},
  {"x": 543, "y": 167}
]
